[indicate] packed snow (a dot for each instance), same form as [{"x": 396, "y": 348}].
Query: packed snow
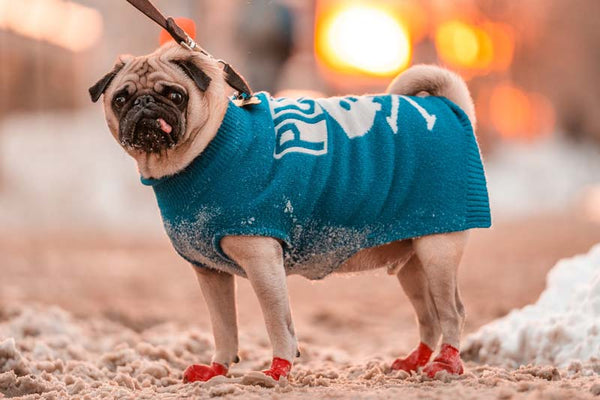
[
  {"x": 47, "y": 353},
  {"x": 561, "y": 328}
]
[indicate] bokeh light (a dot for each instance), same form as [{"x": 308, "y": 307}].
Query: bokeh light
[
  {"x": 503, "y": 41},
  {"x": 363, "y": 38},
  {"x": 462, "y": 45},
  {"x": 476, "y": 49},
  {"x": 457, "y": 43},
  {"x": 518, "y": 114}
]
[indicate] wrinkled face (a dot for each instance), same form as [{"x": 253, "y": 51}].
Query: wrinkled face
[
  {"x": 147, "y": 100},
  {"x": 151, "y": 119}
]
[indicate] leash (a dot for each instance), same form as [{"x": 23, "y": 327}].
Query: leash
[{"x": 232, "y": 77}]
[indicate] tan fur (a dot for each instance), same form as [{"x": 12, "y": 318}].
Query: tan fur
[
  {"x": 218, "y": 290},
  {"x": 426, "y": 267},
  {"x": 262, "y": 260},
  {"x": 392, "y": 255},
  {"x": 205, "y": 110},
  {"x": 440, "y": 256},
  {"x": 435, "y": 81}
]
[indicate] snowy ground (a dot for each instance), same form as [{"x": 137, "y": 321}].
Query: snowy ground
[
  {"x": 135, "y": 318},
  {"x": 49, "y": 354}
]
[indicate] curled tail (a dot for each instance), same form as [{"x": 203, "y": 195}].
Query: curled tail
[{"x": 435, "y": 81}]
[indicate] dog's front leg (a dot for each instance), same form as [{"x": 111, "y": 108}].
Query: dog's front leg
[
  {"x": 218, "y": 289},
  {"x": 262, "y": 260}
]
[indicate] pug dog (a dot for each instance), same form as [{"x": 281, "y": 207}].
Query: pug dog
[{"x": 306, "y": 186}]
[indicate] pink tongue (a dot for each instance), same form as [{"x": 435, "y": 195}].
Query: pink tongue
[{"x": 166, "y": 128}]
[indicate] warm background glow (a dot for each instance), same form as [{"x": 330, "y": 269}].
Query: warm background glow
[
  {"x": 518, "y": 114},
  {"x": 62, "y": 23},
  {"x": 363, "y": 38},
  {"x": 359, "y": 44},
  {"x": 477, "y": 49}
]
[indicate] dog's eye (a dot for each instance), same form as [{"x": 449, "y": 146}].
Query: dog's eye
[
  {"x": 119, "y": 101},
  {"x": 176, "y": 97}
]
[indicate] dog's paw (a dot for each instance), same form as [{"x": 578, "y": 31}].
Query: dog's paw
[
  {"x": 203, "y": 373},
  {"x": 415, "y": 360},
  {"x": 448, "y": 360},
  {"x": 279, "y": 368}
]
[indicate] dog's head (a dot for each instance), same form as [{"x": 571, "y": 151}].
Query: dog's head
[{"x": 163, "y": 108}]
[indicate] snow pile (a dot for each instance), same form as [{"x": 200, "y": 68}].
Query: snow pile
[{"x": 562, "y": 327}]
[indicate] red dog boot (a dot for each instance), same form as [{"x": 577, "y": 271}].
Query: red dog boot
[
  {"x": 448, "y": 360},
  {"x": 418, "y": 358},
  {"x": 203, "y": 373},
  {"x": 279, "y": 368}
]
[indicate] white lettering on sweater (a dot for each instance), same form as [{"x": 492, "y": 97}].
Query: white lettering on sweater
[
  {"x": 301, "y": 124},
  {"x": 300, "y": 127}
]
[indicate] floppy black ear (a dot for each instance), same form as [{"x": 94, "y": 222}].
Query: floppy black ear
[
  {"x": 198, "y": 76},
  {"x": 100, "y": 87}
]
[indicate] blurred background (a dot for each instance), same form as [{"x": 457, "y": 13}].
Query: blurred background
[{"x": 75, "y": 223}]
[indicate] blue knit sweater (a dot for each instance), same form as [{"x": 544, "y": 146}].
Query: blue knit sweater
[{"x": 328, "y": 177}]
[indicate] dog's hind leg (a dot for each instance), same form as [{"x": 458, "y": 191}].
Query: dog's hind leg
[
  {"x": 440, "y": 256},
  {"x": 218, "y": 289},
  {"x": 414, "y": 282}
]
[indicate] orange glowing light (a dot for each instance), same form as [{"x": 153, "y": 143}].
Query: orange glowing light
[
  {"x": 414, "y": 18},
  {"x": 510, "y": 110},
  {"x": 517, "y": 114},
  {"x": 457, "y": 43},
  {"x": 485, "y": 55},
  {"x": 62, "y": 23},
  {"x": 503, "y": 40},
  {"x": 362, "y": 38},
  {"x": 479, "y": 49}
]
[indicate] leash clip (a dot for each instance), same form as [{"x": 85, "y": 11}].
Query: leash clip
[
  {"x": 190, "y": 45},
  {"x": 242, "y": 100}
]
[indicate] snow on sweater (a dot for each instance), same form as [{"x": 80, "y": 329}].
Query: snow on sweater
[{"x": 328, "y": 177}]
